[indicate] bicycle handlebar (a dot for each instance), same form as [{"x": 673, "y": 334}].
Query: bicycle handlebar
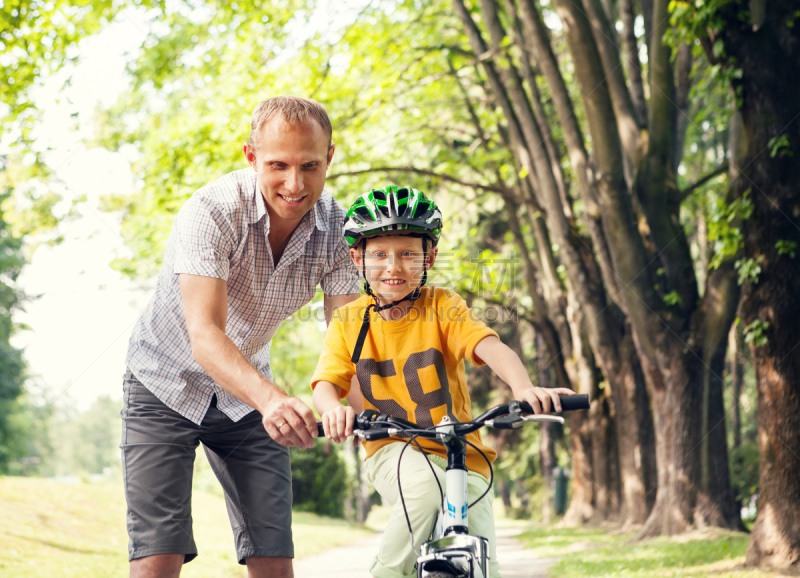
[{"x": 376, "y": 424}]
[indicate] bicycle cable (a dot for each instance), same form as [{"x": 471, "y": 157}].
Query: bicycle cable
[{"x": 413, "y": 438}]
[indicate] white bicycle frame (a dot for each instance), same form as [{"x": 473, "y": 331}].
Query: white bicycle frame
[{"x": 450, "y": 543}]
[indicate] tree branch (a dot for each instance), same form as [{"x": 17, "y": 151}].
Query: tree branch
[
  {"x": 715, "y": 173},
  {"x": 620, "y": 95},
  {"x": 442, "y": 176},
  {"x": 634, "y": 65}
]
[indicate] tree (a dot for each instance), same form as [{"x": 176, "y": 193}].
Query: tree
[
  {"x": 12, "y": 366},
  {"x": 546, "y": 127},
  {"x": 759, "y": 45}
]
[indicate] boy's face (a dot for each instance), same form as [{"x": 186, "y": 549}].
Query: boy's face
[{"x": 394, "y": 265}]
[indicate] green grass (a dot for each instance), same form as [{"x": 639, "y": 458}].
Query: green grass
[
  {"x": 53, "y": 529},
  {"x": 599, "y": 554}
]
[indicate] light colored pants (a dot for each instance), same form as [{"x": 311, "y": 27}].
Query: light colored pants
[{"x": 396, "y": 557}]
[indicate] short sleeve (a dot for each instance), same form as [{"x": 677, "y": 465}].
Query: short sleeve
[
  {"x": 343, "y": 278},
  {"x": 335, "y": 364},
  {"x": 205, "y": 239},
  {"x": 462, "y": 329}
]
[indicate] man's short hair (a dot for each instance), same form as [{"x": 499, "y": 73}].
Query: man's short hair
[{"x": 293, "y": 109}]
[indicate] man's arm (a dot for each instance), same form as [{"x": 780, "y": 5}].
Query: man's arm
[{"x": 205, "y": 303}]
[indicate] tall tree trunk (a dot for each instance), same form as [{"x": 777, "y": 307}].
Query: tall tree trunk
[
  {"x": 717, "y": 504},
  {"x": 667, "y": 322},
  {"x": 581, "y": 506},
  {"x": 677, "y": 424},
  {"x": 635, "y": 434},
  {"x": 767, "y": 51},
  {"x": 547, "y": 447},
  {"x": 609, "y": 336},
  {"x": 525, "y": 139},
  {"x": 737, "y": 376},
  {"x": 604, "y": 458}
]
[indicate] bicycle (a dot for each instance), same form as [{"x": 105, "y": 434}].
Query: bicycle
[{"x": 451, "y": 551}]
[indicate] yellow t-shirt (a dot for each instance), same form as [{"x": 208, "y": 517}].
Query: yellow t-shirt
[{"x": 411, "y": 368}]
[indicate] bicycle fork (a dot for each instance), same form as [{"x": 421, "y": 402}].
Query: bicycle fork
[{"x": 452, "y": 550}]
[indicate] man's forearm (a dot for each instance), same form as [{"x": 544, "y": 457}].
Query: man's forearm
[{"x": 230, "y": 369}]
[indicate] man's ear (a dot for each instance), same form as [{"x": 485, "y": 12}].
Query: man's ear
[
  {"x": 330, "y": 153},
  {"x": 250, "y": 154}
]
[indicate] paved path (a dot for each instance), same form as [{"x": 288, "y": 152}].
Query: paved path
[{"x": 353, "y": 560}]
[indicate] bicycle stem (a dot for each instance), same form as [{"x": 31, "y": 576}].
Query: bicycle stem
[{"x": 454, "y": 509}]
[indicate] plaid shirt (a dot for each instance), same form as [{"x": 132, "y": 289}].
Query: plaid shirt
[{"x": 221, "y": 232}]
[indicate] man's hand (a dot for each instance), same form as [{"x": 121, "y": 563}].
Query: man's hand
[
  {"x": 338, "y": 423},
  {"x": 544, "y": 400},
  {"x": 289, "y": 422}
]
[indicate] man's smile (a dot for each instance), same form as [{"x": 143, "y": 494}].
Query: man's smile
[{"x": 292, "y": 200}]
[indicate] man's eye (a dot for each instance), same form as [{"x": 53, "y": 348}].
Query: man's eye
[
  {"x": 310, "y": 167},
  {"x": 279, "y": 165}
]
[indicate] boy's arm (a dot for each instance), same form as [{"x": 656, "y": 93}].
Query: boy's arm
[
  {"x": 354, "y": 397},
  {"x": 508, "y": 366},
  {"x": 337, "y": 419}
]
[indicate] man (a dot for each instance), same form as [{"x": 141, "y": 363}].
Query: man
[{"x": 246, "y": 252}]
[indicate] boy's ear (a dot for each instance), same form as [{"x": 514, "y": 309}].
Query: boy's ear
[
  {"x": 431, "y": 258},
  {"x": 355, "y": 255}
]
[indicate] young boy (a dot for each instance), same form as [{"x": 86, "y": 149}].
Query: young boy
[{"x": 406, "y": 344}]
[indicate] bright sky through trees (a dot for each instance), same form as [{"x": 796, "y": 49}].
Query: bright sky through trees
[{"x": 81, "y": 321}]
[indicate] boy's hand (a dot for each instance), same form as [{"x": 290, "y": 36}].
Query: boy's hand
[
  {"x": 338, "y": 423},
  {"x": 544, "y": 400}
]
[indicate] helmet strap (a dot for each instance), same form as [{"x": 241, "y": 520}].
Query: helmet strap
[{"x": 413, "y": 296}]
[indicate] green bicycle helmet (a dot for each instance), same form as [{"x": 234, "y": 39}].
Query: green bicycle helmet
[{"x": 392, "y": 211}]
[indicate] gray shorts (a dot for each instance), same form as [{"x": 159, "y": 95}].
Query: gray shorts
[{"x": 158, "y": 449}]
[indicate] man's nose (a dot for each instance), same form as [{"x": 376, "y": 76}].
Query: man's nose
[{"x": 294, "y": 181}]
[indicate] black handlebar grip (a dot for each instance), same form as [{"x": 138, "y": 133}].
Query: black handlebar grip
[
  {"x": 320, "y": 430},
  {"x": 568, "y": 403},
  {"x": 572, "y": 402}
]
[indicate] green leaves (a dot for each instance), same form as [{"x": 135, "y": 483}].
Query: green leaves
[
  {"x": 724, "y": 230},
  {"x": 755, "y": 333},
  {"x": 785, "y": 247},
  {"x": 749, "y": 269},
  {"x": 779, "y": 146}
]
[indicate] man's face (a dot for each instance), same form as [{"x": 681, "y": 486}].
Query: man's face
[
  {"x": 290, "y": 161},
  {"x": 394, "y": 265}
]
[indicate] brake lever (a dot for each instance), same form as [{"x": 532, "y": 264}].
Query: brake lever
[
  {"x": 512, "y": 420},
  {"x": 543, "y": 417}
]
